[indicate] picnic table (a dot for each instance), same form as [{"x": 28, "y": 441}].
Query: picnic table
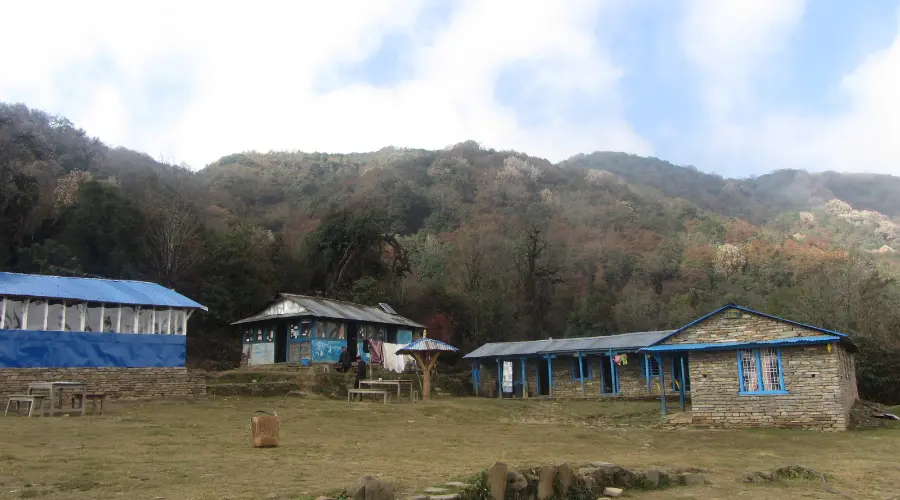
[
  {"x": 389, "y": 383},
  {"x": 55, "y": 389}
]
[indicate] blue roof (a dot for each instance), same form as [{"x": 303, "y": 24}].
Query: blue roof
[
  {"x": 426, "y": 344},
  {"x": 751, "y": 311},
  {"x": 710, "y": 346},
  {"x": 139, "y": 293}
]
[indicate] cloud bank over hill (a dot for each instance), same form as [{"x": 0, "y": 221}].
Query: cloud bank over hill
[{"x": 734, "y": 87}]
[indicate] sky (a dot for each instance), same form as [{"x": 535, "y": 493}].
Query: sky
[{"x": 737, "y": 87}]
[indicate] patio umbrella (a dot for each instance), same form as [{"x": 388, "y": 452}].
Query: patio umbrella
[{"x": 426, "y": 351}]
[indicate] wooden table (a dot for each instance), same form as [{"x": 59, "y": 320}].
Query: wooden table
[
  {"x": 391, "y": 383},
  {"x": 54, "y": 388}
]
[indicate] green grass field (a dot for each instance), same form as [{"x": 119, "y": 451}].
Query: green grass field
[{"x": 201, "y": 450}]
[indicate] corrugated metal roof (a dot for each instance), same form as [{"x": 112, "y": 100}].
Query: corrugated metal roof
[
  {"x": 336, "y": 309},
  {"x": 139, "y": 293},
  {"x": 818, "y": 339},
  {"x": 622, "y": 341},
  {"x": 426, "y": 344}
]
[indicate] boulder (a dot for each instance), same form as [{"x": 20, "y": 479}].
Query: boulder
[
  {"x": 652, "y": 478},
  {"x": 612, "y": 492},
  {"x": 691, "y": 478},
  {"x": 451, "y": 496},
  {"x": 434, "y": 490},
  {"x": 515, "y": 481},
  {"x": 369, "y": 488},
  {"x": 497, "y": 480},
  {"x": 547, "y": 479},
  {"x": 566, "y": 476},
  {"x": 586, "y": 471}
]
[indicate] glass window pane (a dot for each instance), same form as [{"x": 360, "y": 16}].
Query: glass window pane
[
  {"x": 94, "y": 322},
  {"x": 14, "y": 310},
  {"x": 110, "y": 317},
  {"x": 770, "y": 374},
  {"x": 748, "y": 370},
  {"x": 145, "y": 323},
  {"x": 74, "y": 310},
  {"x": 36, "y": 310},
  {"x": 305, "y": 327},
  {"x": 127, "y": 324}
]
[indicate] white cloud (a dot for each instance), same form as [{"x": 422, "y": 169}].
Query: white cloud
[
  {"x": 730, "y": 42},
  {"x": 250, "y": 75}
]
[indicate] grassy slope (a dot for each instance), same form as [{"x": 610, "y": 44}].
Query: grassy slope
[{"x": 201, "y": 450}]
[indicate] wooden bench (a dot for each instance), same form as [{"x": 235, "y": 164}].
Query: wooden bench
[
  {"x": 31, "y": 399},
  {"x": 93, "y": 398},
  {"x": 376, "y": 392}
]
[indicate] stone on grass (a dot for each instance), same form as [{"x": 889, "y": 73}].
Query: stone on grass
[
  {"x": 451, "y": 496},
  {"x": 418, "y": 497},
  {"x": 515, "y": 481},
  {"x": 369, "y": 488},
  {"x": 497, "y": 480},
  {"x": 546, "y": 481},
  {"x": 565, "y": 478},
  {"x": 652, "y": 478},
  {"x": 435, "y": 490},
  {"x": 586, "y": 471},
  {"x": 601, "y": 464},
  {"x": 457, "y": 484},
  {"x": 612, "y": 492},
  {"x": 691, "y": 478}
]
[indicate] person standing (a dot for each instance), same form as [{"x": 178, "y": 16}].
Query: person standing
[
  {"x": 360, "y": 370},
  {"x": 343, "y": 363}
]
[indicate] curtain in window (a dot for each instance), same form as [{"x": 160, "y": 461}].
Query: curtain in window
[{"x": 749, "y": 380}]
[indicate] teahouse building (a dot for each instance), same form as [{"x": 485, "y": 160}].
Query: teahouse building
[
  {"x": 574, "y": 367},
  {"x": 735, "y": 366},
  {"x": 752, "y": 369},
  {"x": 125, "y": 338},
  {"x": 304, "y": 329}
]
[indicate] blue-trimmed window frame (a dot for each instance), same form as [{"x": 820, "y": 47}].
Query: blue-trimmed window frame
[
  {"x": 759, "y": 375},
  {"x": 585, "y": 362}
]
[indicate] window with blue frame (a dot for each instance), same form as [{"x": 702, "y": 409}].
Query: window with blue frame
[
  {"x": 759, "y": 371},
  {"x": 576, "y": 373}
]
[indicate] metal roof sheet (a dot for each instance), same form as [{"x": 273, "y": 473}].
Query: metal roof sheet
[
  {"x": 622, "y": 341},
  {"x": 139, "y": 293},
  {"x": 426, "y": 344},
  {"x": 710, "y": 346},
  {"x": 321, "y": 307}
]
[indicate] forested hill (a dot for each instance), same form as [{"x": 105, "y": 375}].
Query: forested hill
[{"x": 478, "y": 244}]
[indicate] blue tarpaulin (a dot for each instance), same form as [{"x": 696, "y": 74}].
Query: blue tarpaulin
[{"x": 39, "y": 349}]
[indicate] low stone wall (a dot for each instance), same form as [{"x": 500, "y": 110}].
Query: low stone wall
[{"x": 116, "y": 383}]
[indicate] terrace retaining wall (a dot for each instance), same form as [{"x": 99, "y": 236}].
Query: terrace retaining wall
[{"x": 116, "y": 383}]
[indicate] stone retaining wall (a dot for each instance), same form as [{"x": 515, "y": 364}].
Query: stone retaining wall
[{"x": 116, "y": 383}]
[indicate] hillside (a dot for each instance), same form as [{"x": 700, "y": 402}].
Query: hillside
[{"x": 477, "y": 243}]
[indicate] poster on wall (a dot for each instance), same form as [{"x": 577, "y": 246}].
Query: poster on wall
[
  {"x": 262, "y": 354},
  {"x": 507, "y": 376}
]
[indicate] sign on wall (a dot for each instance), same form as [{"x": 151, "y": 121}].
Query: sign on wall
[{"x": 507, "y": 376}]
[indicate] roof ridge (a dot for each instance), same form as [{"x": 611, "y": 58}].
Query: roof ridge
[{"x": 84, "y": 278}]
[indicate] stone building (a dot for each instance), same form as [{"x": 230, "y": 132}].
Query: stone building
[
  {"x": 735, "y": 367},
  {"x": 303, "y": 329},
  {"x": 577, "y": 367},
  {"x": 124, "y": 338},
  {"x": 751, "y": 369}
]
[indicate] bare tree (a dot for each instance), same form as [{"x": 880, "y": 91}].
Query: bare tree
[{"x": 173, "y": 240}]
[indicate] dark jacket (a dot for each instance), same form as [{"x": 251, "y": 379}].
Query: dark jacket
[
  {"x": 344, "y": 360},
  {"x": 360, "y": 370}
]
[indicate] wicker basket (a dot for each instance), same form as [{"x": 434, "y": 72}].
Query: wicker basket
[{"x": 264, "y": 429}]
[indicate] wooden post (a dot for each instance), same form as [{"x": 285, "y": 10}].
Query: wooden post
[
  {"x": 662, "y": 383},
  {"x": 681, "y": 384},
  {"x": 581, "y": 372},
  {"x": 427, "y": 363}
]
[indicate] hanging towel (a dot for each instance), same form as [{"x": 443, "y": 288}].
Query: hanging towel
[
  {"x": 375, "y": 352},
  {"x": 392, "y": 361}
]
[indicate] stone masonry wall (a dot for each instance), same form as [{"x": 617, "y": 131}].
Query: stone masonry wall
[
  {"x": 748, "y": 327},
  {"x": 812, "y": 378},
  {"x": 116, "y": 383},
  {"x": 847, "y": 370}
]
